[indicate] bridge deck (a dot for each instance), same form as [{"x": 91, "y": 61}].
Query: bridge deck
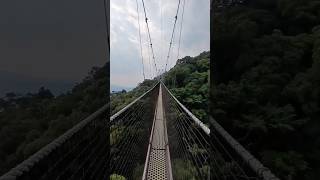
[{"x": 158, "y": 163}]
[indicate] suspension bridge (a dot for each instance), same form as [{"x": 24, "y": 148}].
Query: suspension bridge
[{"x": 153, "y": 137}]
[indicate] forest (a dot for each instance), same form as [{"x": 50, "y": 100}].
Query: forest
[
  {"x": 30, "y": 121},
  {"x": 120, "y": 99},
  {"x": 188, "y": 80},
  {"x": 265, "y": 81}
]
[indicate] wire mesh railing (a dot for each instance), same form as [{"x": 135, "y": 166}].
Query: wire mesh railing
[
  {"x": 238, "y": 163},
  {"x": 80, "y": 153},
  {"x": 200, "y": 154},
  {"x": 188, "y": 141},
  {"x": 129, "y": 133}
]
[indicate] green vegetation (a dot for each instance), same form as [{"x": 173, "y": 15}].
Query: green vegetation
[
  {"x": 121, "y": 99},
  {"x": 138, "y": 172},
  {"x": 188, "y": 80},
  {"x": 183, "y": 169},
  {"x": 137, "y": 131},
  {"x": 117, "y": 177},
  {"x": 265, "y": 84},
  {"x": 31, "y": 121}
]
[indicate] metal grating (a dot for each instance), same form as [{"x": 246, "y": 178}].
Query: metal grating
[
  {"x": 158, "y": 140},
  {"x": 157, "y": 165}
]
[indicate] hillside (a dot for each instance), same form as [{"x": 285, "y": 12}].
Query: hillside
[
  {"x": 121, "y": 99},
  {"x": 188, "y": 81},
  {"x": 265, "y": 87},
  {"x": 28, "y": 122}
]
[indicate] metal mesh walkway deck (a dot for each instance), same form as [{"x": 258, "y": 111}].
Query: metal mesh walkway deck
[{"x": 158, "y": 164}]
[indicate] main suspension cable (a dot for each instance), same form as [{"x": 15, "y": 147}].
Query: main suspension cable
[
  {"x": 144, "y": 77},
  {"x": 179, "y": 43},
  {"x": 174, "y": 27},
  {"x": 146, "y": 19},
  {"x": 184, "y": 2}
]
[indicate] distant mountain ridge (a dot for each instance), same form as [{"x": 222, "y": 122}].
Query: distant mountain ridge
[
  {"x": 22, "y": 85},
  {"x": 116, "y": 88},
  {"x": 28, "y": 122}
]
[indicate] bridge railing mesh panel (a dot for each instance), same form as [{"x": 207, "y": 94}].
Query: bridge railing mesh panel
[
  {"x": 200, "y": 154},
  {"x": 80, "y": 153},
  {"x": 129, "y": 134},
  {"x": 239, "y": 163},
  {"x": 188, "y": 143}
]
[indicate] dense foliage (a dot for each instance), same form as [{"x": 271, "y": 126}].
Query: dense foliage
[
  {"x": 28, "y": 122},
  {"x": 265, "y": 83},
  {"x": 120, "y": 99},
  {"x": 189, "y": 82}
]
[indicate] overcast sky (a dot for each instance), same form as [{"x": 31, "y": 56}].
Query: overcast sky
[
  {"x": 126, "y": 67},
  {"x": 52, "y": 43}
]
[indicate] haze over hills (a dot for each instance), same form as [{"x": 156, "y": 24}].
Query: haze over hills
[
  {"x": 29, "y": 122},
  {"x": 21, "y": 84},
  {"x": 116, "y": 88}
]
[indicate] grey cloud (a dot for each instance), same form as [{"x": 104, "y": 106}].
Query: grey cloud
[{"x": 195, "y": 34}]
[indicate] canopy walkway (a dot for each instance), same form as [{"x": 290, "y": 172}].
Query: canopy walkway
[
  {"x": 158, "y": 165},
  {"x": 154, "y": 137}
]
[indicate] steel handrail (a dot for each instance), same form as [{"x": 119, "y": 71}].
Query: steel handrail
[
  {"x": 193, "y": 117},
  {"x": 129, "y": 105},
  {"x": 254, "y": 164}
]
